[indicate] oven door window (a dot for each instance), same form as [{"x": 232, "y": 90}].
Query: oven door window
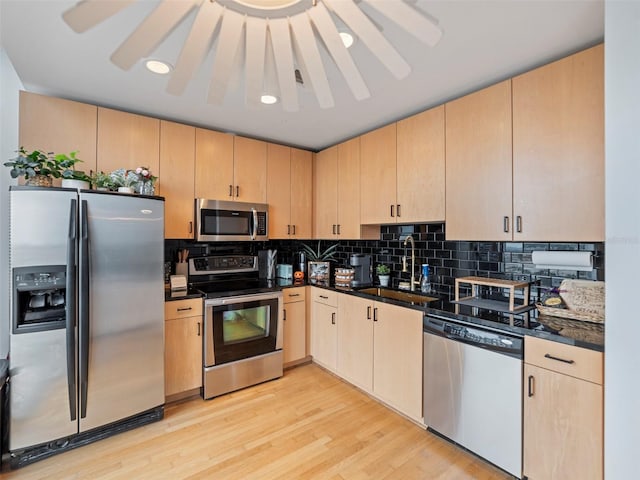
[
  {"x": 225, "y": 222},
  {"x": 244, "y": 329}
]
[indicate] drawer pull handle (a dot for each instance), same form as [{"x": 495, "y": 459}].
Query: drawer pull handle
[
  {"x": 294, "y": 294},
  {"x": 322, "y": 296},
  {"x": 185, "y": 309},
  {"x": 531, "y": 385},
  {"x": 551, "y": 357}
]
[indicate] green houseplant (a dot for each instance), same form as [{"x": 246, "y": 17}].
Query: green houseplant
[
  {"x": 319, "y": 262},
  {"x": 102, "y": 181},
  {"x": 37, "y": 167},
  {"x": 71, "y": 177},
  {"x": 124, "y": 180},
  {"x": 383, "y": 272}
]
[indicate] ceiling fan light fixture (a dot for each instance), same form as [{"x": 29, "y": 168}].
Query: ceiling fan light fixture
[
  {"x": 268, "y": 99},
  {"x": 158, "y": 66},
  {"x": 347, "y": 39}
]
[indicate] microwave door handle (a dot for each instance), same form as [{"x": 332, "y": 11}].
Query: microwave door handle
[{"x": 254, "y": 230}]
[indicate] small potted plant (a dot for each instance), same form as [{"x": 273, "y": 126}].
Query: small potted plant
[
  {"x": 37, "y": 167},
  {"x": 319, "y": 262},
  {"x": 124, "y": 180},
  {"x": 72, "y": 178},
  {"x": 102, "y": 181},
  {"x": 383, "y": 274}
]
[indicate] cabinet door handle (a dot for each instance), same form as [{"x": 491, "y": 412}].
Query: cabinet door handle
[
  {"x": 237, "y": 191},
  {"x": 333, "y": 318},
  {"x": 231, "y": 191},
  {"x": 519, "y": 224},
  {"x": 558, "y": 359},
  {"x": 398, "y": 210},
  {"x": 198, "y": 328},
  {"x": 375, "y": 314},
  {"x": 368, "y": 312},
  {"x": 284, "y": 314},
  {"x": 288, "y": 229},
  {"x": 190, "y": 227},
  {"x": 392, "y": 207},
  {"x": 184, "y": 309},
  {"x": 505, "y": 224},
  {"x": 531, "y": 385},
  {"x": 334, "y": 229},
  {"x": 338, "y": 229},
  {"x": 294, "y": 229}
]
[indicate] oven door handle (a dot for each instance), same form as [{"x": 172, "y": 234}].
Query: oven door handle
[{"x": 254, "y": 228}]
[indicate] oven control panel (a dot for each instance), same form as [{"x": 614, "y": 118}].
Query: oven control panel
[{"x": 223, "y": 264}]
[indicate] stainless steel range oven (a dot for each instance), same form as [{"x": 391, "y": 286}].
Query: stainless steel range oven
[{"x": 242, "y": 326}]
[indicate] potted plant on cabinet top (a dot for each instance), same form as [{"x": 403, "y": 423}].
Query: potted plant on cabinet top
[
  {"x": 102, "y": 181},
  {"x": 146, "y": 181},
  {"x": 383, "y": 274},
  {"x": 319, "y": 262},
  {"x": 72, "y": 178},
  {"x": 124, "y": 180},
  {"x": 38, "y": 168}
]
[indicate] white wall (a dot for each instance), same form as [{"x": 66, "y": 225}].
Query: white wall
[
  {"x": 10, "y": 85},
  {"x": 622, "y": 133}
]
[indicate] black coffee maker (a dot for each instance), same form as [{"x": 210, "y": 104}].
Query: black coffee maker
[{"x": 361, "y": 265}]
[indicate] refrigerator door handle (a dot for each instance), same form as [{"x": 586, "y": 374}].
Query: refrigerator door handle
[
  {"x": 84, "y": 310},
  {"x": 72, "y": 238}
]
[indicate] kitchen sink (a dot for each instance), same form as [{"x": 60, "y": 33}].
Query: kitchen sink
[{"x": 408, "y": 297}]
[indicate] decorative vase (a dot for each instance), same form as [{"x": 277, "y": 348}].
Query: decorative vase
[
  {"x": 146, "y": 188},
  {"x": 78, "y": 184},
  {"x": 39, "y": 181},
  {"x": 384, "y": 280},
  {"x": 125, "y": 190}
]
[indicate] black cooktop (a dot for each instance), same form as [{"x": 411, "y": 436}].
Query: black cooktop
[{"x": 228, "y": 288}]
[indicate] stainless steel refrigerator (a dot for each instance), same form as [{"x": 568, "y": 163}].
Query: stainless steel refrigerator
[{"x": 87, "y": 331}]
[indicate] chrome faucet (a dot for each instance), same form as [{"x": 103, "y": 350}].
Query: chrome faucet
[{"x": 409, "y": 239}]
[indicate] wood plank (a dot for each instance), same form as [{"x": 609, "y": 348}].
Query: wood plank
[
  {"x": 301, "y": 193},
  {"x": 308, "y": 424},
  {"x": 378, "y": 176},
  {"x": 214, "y": 165},
  {"x": 279, "y": 190},
  {"x": 325, "y": 193}
]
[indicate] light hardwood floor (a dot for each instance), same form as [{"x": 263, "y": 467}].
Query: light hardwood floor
[{"x": 306, "y": 425}]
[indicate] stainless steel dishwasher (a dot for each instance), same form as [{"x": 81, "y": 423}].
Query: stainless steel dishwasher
[{"x": 473, "y": 389}]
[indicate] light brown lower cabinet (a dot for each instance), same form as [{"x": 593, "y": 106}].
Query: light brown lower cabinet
[
  {"x": 324, "y": 327},
  {"x": 182, "y": 346},
  {"x": 295, "y": 329},
  {"x": 563, "y": 412}
]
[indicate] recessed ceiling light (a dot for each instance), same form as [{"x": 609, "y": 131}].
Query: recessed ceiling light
[
  {"x": 156, "y": 66},
  {"x": 347, "y": 39},
  {"x": 268, "y": 99}
]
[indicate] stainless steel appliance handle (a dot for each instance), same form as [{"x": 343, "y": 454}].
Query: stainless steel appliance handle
[
  {"x": 72, "y": 238},
  {"x": 254, "y": 230},
  {"x": 84, "y": 310}
]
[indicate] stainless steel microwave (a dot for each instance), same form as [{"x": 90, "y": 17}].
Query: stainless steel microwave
[{"x": 219, "y": 220}]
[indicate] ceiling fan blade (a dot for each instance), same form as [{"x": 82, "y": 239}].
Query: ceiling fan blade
[
  {"x": 89, "y": 13},
  {"x": 410, "y": 19},
  {"x": 327, "y": 29},
  {"x": 195, "y": 47},
  {"x": 255, "y": 60},
  {"x": 151, "y": 32},
  {"x": 229, "y": 38},
  {"x": 307, "y": 50},
  {"x": 357, "y": 21},
  {"x": 281, "y": 43}
]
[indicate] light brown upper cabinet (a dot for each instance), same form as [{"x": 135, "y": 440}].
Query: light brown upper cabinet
[
  {"x": 128, "y": 141},
  {"x": 378, "y": 176},
  {"x": 478, "y": 165},
  {"x": 420, "y": 167},
  {"x": 289, "y": 196},
  {"x": 336, "y": 193},
  {"x": 61, "y": 126},
  {"x": 214, "y": 165},
  {"x": 558, "y": 150},
  {"x": 177, "y": 160},
  {"x": 249, "y": 170}
]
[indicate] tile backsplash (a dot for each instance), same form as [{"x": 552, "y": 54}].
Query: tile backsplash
[{"x": 447, "y": 259}]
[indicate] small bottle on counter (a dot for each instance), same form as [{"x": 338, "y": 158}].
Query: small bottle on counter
[{"x": 425, "y": 283}]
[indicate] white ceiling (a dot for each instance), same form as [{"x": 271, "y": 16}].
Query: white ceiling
[{"x": 483, "y": 42}]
